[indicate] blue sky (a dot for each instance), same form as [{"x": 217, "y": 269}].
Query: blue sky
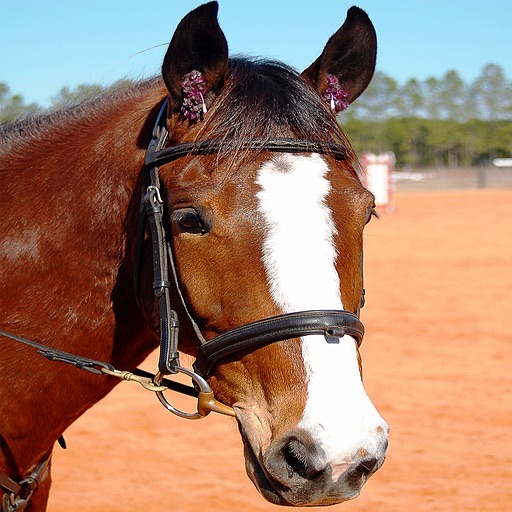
[{"x": 48, "y": 44}]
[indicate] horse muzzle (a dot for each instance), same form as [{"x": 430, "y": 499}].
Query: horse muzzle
[{"x": 294, "y": 471}]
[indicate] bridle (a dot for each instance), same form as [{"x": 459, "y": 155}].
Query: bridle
[{"x": 332, "y": 324}]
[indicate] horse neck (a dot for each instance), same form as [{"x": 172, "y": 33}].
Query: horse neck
[{"x": 74, "y": 292}]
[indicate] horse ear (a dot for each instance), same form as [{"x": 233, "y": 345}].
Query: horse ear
[
  {"x": 346, "y": 66},
  {"x": 196, "y": 61}
]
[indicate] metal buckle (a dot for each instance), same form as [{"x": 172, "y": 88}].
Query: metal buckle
[
  {"x": 206, "y": 401},
  {"x": 146, "y": 382}
]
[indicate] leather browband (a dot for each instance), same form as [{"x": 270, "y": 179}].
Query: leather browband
[
  {"x": 333, "y": 324},
  {"x": 276, "y": 145}
]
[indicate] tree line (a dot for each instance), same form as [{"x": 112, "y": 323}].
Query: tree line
[
  {"x": 435, "y": 122},
  {"x": 440, "y": 122}
]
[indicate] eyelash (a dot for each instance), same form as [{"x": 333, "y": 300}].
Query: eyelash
[{"x": 196, "y": 225}]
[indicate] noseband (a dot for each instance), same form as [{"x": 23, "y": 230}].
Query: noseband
[{"x": 332, "y": 324}]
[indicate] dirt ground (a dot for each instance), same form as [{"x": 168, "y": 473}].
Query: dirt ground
[{"x": 437, "y": 359}]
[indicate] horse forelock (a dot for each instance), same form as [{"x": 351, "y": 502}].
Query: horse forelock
[{"x": 267, "y": 99}]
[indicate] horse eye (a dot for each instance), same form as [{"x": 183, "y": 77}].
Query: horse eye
[{"x": 189, "y": 221}]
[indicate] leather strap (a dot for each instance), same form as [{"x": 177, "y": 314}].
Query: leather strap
[
  {"x": 169, "y": 357},
  {"x": 8, "y": 484},
  {"x": 331, "y": 324},
  {"x": 18, "y": 495},
  {"x": 82, "y": 363},
  {"x": 276, "y": 145},
  {"x": 152, "y": 211}
]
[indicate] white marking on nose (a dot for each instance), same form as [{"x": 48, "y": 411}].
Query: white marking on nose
[{"x": 299, "y": 255}]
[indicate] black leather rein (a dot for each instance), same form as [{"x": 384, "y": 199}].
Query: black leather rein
[{"x": 331, "y": 324}]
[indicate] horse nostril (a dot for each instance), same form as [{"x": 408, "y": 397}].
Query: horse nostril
[
  {"x": 294, "y": 459},
  {"x": 367, "y": 466},
  {"x": 300, "y": 460}
]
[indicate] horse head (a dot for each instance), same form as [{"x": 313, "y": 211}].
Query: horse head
[{"x": 260, "y": 233}]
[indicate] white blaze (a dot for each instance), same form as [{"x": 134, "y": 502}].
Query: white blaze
[
  {"x": 300, "y": 256},
  {"x": 298, "y": 250}
]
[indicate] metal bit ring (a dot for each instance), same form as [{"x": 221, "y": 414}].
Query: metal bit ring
[{"x": 206, "y": 401}]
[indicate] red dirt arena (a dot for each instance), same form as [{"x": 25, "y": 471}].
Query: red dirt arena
[{"x": 437, "y": 356}]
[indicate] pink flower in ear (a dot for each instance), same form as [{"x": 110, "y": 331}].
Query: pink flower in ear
[
  {"x": 194, "y": 88},
  {"x": 335, "y": 95}
]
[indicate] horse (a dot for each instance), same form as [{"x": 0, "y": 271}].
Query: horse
[{"x": 218, "y": 205}]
